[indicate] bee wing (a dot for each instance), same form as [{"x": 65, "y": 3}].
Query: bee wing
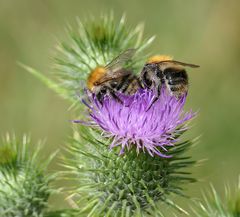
[
  {"x": 113, "y": 76},
  {"x": 115, "y": 68},
  {"x": 120, "y": 60},
  {"x": 181, "y": 63}
]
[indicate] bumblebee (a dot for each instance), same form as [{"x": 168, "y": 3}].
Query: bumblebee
[
  {"x": 113, "y": 78},
  {"x": 164, "y": 71}
]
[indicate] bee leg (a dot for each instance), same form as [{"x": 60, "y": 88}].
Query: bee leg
[
  {"x": 150, "y": 106},
  {"x": 114, "y": 96},
  {"x": 155, "y": 98},
  {"x": 100, "y": 99},
  {"x": 140, "y": 84}
]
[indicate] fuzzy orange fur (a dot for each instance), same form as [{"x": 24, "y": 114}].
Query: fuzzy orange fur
[
  {"x": 159, "y": 58},
  {"x": 94, "y": 76}
]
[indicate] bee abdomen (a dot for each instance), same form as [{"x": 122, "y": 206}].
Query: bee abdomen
[{"x": 176, "y": 81}]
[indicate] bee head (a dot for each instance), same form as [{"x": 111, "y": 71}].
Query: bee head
[
  {"x": 100, "y": 93},
  {"x": 94, "y": 76},
  {"x": 148, "y": 74},
  {"x": 151, "y": 74}
]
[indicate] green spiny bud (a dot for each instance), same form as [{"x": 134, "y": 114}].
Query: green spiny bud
[
  {"x": 95, "y": 42},
  {"x": 215, "y": 206},
  {"x": 24, "y": 189}
]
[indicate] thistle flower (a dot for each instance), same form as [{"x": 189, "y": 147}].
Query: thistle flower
[
  {"x": 24, "y": 189},
  {"x": 134, "y": 184},
  {"x": 139, "y": 123}
]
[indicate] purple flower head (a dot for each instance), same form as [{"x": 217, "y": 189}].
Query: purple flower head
[{"x": 135, "y": 123}]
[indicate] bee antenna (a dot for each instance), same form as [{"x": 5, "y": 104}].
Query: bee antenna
[
  {"x": 86, "y": 104},
  {"x": 82, "y": 98},
  {"x": 153, "y": 101}
]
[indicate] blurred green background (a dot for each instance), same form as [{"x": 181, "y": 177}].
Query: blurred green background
[{"x": 202, "y": 32}]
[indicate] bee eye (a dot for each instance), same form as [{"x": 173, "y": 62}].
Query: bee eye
[
  {"x": 146, "y": 79},
  {"x": 114, "y": 84},
  {"x": 103, "y": 90},
  {"x": 158, "y": 73},
  {"x": 100, "y": 95}
]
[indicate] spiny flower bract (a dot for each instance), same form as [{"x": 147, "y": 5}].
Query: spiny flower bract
[
  {"x": 133, "y": 184},
  {"x": 24, "y": 189},
  {"x": 213, "y": 205},
  {"x": 95, "y": 42},
  {"x": 140, "y": 124}
]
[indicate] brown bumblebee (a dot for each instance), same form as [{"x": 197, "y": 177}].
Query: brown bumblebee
[
  {"x": 113, "y": 78},
  {"x": 163, "y": 70}
]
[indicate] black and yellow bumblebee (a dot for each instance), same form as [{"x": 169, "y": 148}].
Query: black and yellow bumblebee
[
  {"x": 113, "y": 78},
  {"x": 162, "y": 71}
]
